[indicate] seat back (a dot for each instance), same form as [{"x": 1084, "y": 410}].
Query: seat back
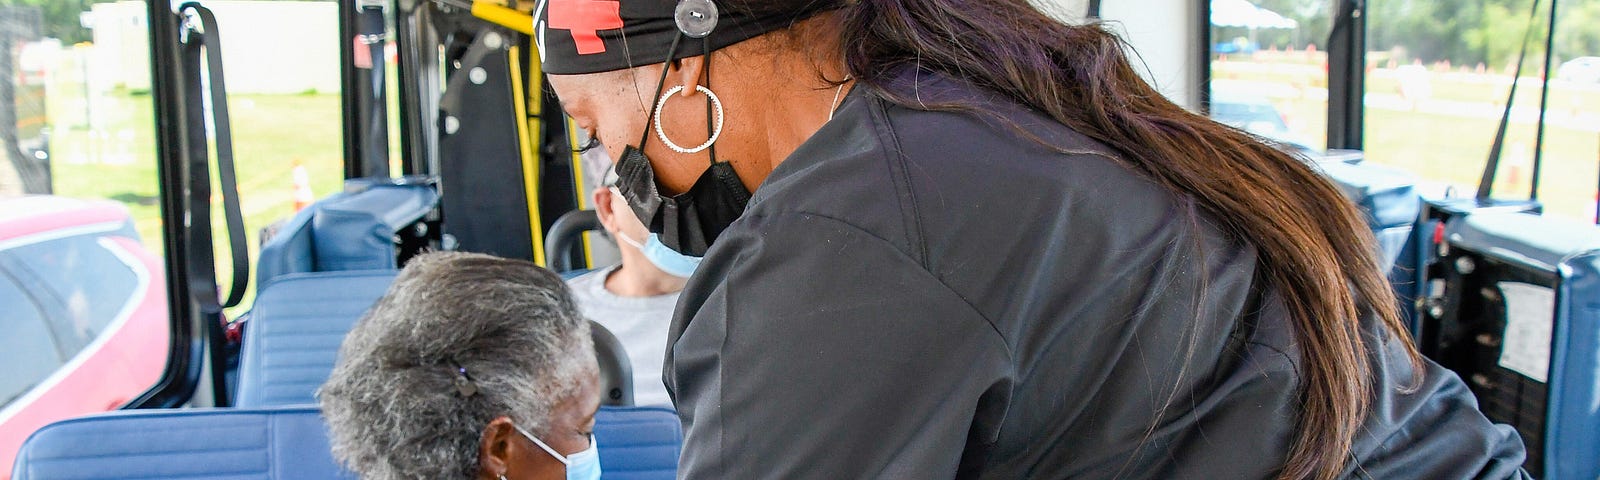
[
  {"x": 300, "y": 320},
  {"x": 636, "y": 443},
  {"x": 565, "y": 242},
  {"x": 191, "y": 444},
  {"x": 616, "y": 371},
  {"x": 1387, "y": 196},
  {"x": 1519, "y": 319},
  {"x": 352, "y": 230},
  {"x": 295, "y": 329}
]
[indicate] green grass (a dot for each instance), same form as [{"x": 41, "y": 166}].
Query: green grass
[
  {"x": 270, "y": 133},
  {"x": 1452, "y": 150}
]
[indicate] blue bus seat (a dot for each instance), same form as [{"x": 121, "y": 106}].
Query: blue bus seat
[
  {"x": 571, "y": 274},
  {"x": 1521, "y": 325},
  {"x": 636, "y": 443},
  {"x": 181, "y": 443},
  {"x": 1387, "y": 196},
  {"x": 296, "y": 327},
  {"x": 300, "y": 320},
  {"x": 350, "y": 230}
]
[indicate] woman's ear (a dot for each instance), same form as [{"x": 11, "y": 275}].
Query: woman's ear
[
  {"x": 494, "y": 448},
  {"x": 603, "y": 210},
  {"x": 691, "y": 72}
]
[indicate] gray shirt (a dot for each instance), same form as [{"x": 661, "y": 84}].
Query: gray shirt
[
  {"x": 923, "y": 294},
  {"x": 640, "y": 323}
]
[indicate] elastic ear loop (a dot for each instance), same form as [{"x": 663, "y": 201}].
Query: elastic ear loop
[
  {"x": 665, "y": 67},
  {"x": 705, "y": 52}
]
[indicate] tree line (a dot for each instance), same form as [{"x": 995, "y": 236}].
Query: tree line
[
  {"x": 61, "y": 17},
  {"x": 1462, "y": 32}
]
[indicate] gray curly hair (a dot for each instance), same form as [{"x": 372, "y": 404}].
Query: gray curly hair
[{"x": 395, "y": 404}]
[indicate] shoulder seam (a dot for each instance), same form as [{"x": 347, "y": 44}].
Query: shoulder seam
[
  {"x": 1004, "y": 340},
  {"x": 894, "y": 158}
]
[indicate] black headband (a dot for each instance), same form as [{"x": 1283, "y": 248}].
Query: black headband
[{"x": 590, "y": 36}]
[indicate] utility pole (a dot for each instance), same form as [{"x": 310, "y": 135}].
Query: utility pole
[{"x": 18, "y": 24}]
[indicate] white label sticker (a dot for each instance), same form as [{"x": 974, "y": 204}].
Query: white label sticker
[{"x": 1530, "y": 311}]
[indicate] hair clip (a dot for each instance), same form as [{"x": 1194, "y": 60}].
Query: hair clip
[
  {"x": 695, "y": 18},
  {"x": 463, "y": 382}
]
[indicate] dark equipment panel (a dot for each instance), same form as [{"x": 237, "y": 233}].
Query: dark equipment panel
[
  {"x": 1514, "y": 309},
  {"x": 485, "y": 199}
]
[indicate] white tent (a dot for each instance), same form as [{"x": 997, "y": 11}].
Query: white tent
[{"x": 1242, "y": 13}]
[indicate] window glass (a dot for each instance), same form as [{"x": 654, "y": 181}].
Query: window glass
[
  {"x": 88, "y": 284},
  {"x": 1269, "y": 68},
  {"x": 1438, "y": 76},
  {"x": 26, "y": 349},
  {"x": 285, "y": 114},
  {"x": 77, "y": 163}
]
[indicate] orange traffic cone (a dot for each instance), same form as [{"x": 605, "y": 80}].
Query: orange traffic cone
[{"x": 302, "y": 187}]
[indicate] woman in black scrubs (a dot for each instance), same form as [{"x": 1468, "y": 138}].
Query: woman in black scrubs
[{"x": 958, "y": 238}]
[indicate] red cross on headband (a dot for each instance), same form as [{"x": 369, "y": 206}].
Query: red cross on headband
[
  {"x": 586, "y": 36},
  {"x": 585, "y": 19}
]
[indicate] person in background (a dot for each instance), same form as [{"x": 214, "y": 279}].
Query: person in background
[
  {"x": 634, "y": 298},
  {"x": 469, "y": 367}
]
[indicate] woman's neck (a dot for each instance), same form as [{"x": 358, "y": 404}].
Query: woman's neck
[
  {"x": 637, "y": 277},
  {"x": 776, "y": 99}
]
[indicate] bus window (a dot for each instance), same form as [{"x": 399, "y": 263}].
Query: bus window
[
  {"x": 1438, "y": 77},
  {"x": 84, "y": 327},
  {"x": 1269, "y": 68},
  {"x": 26, "y": 348},
  {"x": 86, "y": 281},
  {"x": 281, "y": 67}
]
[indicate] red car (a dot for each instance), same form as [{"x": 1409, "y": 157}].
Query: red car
[{"x": 83, "y": 314}]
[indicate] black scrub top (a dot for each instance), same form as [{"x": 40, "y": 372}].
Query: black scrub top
[{"x": 917, "y": 295}]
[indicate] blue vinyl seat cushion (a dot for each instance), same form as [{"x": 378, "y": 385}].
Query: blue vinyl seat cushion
[
  {"x": 295, "y": 330},
  {"x": 1522, "y": 237},
  {"x": 636, "y": 443},
  {"x": 1387, "y": 196},
  {"x": 351, "y": 230},
  {"x": 283, "y": 443}
]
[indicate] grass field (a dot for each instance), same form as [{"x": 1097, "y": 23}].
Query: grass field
[
  {"x": 272, "y": 133},
  {"x": 1444, "y": 147}
]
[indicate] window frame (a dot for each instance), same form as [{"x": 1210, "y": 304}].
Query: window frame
[
  {"x": 1346, "y": 49},
  {"x": 188, "y": 340}
]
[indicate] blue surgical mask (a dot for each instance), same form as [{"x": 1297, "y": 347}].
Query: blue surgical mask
[
  {"x": 663, "y": 257},
  {"x": 584, "y": 465}
]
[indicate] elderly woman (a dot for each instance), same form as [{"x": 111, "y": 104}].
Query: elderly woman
[{"x": 470, "y": 366}]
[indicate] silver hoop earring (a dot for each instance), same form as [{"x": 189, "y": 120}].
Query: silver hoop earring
[
  {"x": 502, "y": 476},
  {"x": 715, "y": 132}
]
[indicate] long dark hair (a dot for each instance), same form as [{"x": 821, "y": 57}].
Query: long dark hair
[{"x": 1315, "y": 247}]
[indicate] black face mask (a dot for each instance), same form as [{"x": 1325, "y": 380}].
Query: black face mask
[{"x": 691, "y": 221}]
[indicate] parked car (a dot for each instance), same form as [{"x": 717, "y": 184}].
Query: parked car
[
  {"x": 83, "y": 314},
  {"x": 1580, "y": 70},
  {"x": 1252, "y": 113}
]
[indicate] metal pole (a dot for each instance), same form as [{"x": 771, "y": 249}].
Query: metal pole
[
  {"x": 1346, "y": 75},
  {"x": 1544, "y": 102}
]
